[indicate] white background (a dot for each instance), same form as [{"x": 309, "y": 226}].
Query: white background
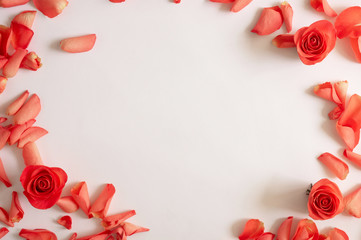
[{"x": 199, "y": 123}]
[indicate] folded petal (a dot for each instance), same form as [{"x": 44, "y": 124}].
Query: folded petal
[
  {"x": 130, "y": 228},
  {"x": 337, "y": 234},
  {"x": 98, "y": 236},
  {"x": 335, "y": 165},
  {"x": 3, "y": 59},
  {"x": 238, "y": 5},
  {"x": 65, "y": 221},
  {"x": 25, "y": 18},
  {"x": 266, "y": 236},
  {"x": 270, "y": 21},
  {"x": 222, "y": 1},
  {"x": 31, "y": 135},
  {"x": 81, "y": 196},
  {"x": 284, "y": 41},
  {"x": 355, "y": 45},
  {"x": 3, "y": 232},
  {"x": 37, "y": 234},
  {"x": 287, "y": 13},
  {"x": 31, "y": 61},
  {"x": 21, "y": 36},
  {"x": 12, "y": 66},
  {"x": 31, "y": 155},
  {"x": 348, "y": 23},
  {"x": 335, "y": 113},
  {"x": 28, "y": 111},
  {"x": 18, "y": 130},
  {"x": 353, "y": 203},
  {"x": 78, "y": 44},
  {"x": 306, "y": 229},
  {"x": 3, "y": 177},
  {"x": 323, "y": 6},
  {"x": 12, "y": 3},
  {"x": 353, "y": 157},
  {"x": 4, "y": 136},
  {"x": 67, "y": 204},
  {"x": 3, "y": 119},
  {"x": 4, "y": 217},
  {"x": 16, "y": 212},
  {"x": 253, "y": 229},
  {"x": 100, "y": 207},
  {"x": 5, "y": 33},
  {"x": 113, "y": 221},
  {"x": 340, "y": 90},
  {"x": 17, "y": 104},
  {"x": 3, "y": 82},
  {"x": 284, "y": 230},
  {"x": 50, "y": 8}
]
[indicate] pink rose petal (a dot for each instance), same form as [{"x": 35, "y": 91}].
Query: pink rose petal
[
  {"x": 50, "y": 8},
  {"x": 284, "y": 41},
  {"x": 3, "y": 232},
  {"x": 25, "y": 18},
  {"x": 37, "y": 234},
  {"x": 353, "y": 203},
  {"x": 323, "y": 6},
  {"x": 353, "y": 157},
  {"x": 284, "y": 230},
  {"x": 12, "y": 66},
  {"x": 12, "y": 3},
  {"x": 287, "y": 13},
  {"x": 16, "y": 212},
  {"x": 4, "y": 136},
  {"x": 130, "y": 228},
  {"x": 238, "y": 5},
  {"x": 18, "y": 130}
]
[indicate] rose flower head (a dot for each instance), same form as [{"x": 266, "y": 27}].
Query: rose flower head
[
  {"x": 43, "y": 185},
  {"x": 315, "y": 42},
  {"x": 325, "y": 200}
]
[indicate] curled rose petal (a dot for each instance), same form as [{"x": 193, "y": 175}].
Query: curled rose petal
[
  {"x": 98, "y": 236},
  {"x": 3, "y": 232},
  {"x": 284, "y": 41},
  {"x": 349, "y": 124},
  {"x": 25, "y": 18},
  {"x": 238, "y": 5},
  {"x": 31, "y": 135},
  {"x": 335, "y": 165},
  {"x": 12, "y": 3},
  {"x": 353, "y": 157},
  {"x": 3, "y": 177},
  {"x": 335, "y": 113},
  {"x": 3, "y": 82},
  {"x": 37, "y": 234},
  {"x": 67, "y": 204},
  {"x": 100, "y": 207},
  {"x": 16, "y": 212},
  {"x": 355, "y": 44},
  {"x": 12, "y": 66},
  {"x": 113, "y": 221},
  {"x": 337, "y": 234},
  {"x": 287, "y": 13},
  {"x": 270, "y": 21},
  {"x": 50, "y": 8},
  {"x": 253, "y": 229},
  {"x": 130, "y": 228},
  {"x": 31, "y": 154},
  {"x": 3, "y": 119},
  {"x": 4, "y": 217},
  {"x": 5, "y": 33},
  {"x": 266, "y": 236},
  {"x": 306, "y": 229},
  {"x": 28, "y": 111},
  {"x": 348, "y": 23},
  {"x": 18, "y": 130},
  {"x": 353, "y": 203},
  {"x": 323, "y": 6},
  {"x": 3, "y": 59},
  {"x": 335, "y": 92},
  {"x": 65, "y": 221},
  {"x": 17, "y": 104},
  {"x": 4, "y": 136},
  {"x": 81, "y": 196},
  {"x": 284, "y": 230},
  {"x": 78, "y": 44},
  {"x": 31, "y": 61},
  {"x": 21, "y": 36}
]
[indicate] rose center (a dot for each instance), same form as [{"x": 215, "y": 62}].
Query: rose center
[{"x": 43, "y": 184}]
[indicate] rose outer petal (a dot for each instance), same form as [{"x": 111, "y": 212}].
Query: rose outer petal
[
  {"x": 270, "y": 21},
  {"x": 67, "y": 204},
  {"x": 337, "y": 234},
  {"x": 253, "y": 229},
  {"x": 355, "y": 45},
  {"x": 25, "y": 18},
  {"x": 306, "y": 229},
  {"x": 100, "y": 207},
  {"x": 266, "y": 236},
  {"x": 16, "y": 212},
  {"x": 31, "y": 135},
  {"x": 353, "y": 203},
  {"x": 50, "y": 8},
  {"x": 37, "y": 234},
  {"x": 335, "y": 165},
  {"x": 31, "y": 154},
  {"x": 21, "y": 36},
  {"x": 284, "y": 230}
]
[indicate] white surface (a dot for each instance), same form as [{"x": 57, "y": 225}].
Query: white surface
[{"x": 198, "y": 123}]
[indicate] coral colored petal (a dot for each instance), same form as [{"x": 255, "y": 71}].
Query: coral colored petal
[
  {"x": 81, "y": 196},
  {"x": 50, "y": 8},
  {"x": 177, "y": 1},
  {"x": 349, "y": 124},
  {"x": 28, "y": 111},
  {"x": 3, "y": 177},
  {"x": 78, "y": 44},
  {"x": 341, "y": 91},
  {"x": 335, "y": 113},
  {"x": 100, "y": 207},
  {"x": 65, "y": 221},
  {"x": 323, "y": 6},
  {"x": 3, "y": 232},
  {"x": 18, "y": 130},
  {"x": 4, "y": 136},
  {"x": 348, "y": 23},
  {"x": 306, "y": 229},
  {"x": 266, "y": 236},
  {"x": 353, "y": 157},
  {"x": 324, "y": 90},
  {"x": 116, "y": 1},
  {"x": 67, "y": 204},
  {"x": 21, "y": 36},
  {"x": 335, "y": 165},
  {"x": 16, "y": 212},
  {"x": 287, "y": 13},
  {"x": 12, "y": 3},
  {"x": 5, "y": 33},
  {"x": 337, "y": 234},
  {"x": 25, "y": 18},
  {"x": 3, "y": 60},
  {"x": 253, "y": 229},
  {"x": 355, "y": 44},
  {"x": 3, "y": 82},
  {"x": 130, "y": 228},
  {"x": 12, "y": 66},
  {"x": 222, "y": 1},
  {"x": 31, "y": 61},
  {"x": 31, "y": 154},
  {"x": 73, "y": 236},
  {"x": 31, "y": 135},
  {"x": 115, "y": 220},
  {"x": 238, "y": 5},
  {"x": 284, "y": 230},
  {"x": 3, "y": 119},
  {"x": 17, "y": 104},
  {"x": 37, "y": 234},
  {"x": 284, "y": 41},
  {"x": 98, "y": 236},
  {"x": 353, "y": 203},
  {"x": 4, "y": 217},
  {"x": 270, "y": 21}
]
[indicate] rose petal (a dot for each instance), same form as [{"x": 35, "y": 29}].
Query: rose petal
[
  {"x": 340, "y": 89},
  {"x": 3, "y": 232},
  {"x": 81, "y": 196},
  {"x": 4, "y": 217},
  {"x": 266, "y": 236},
  {"x": 284, "y": 230},
  {"x": 73, "y": 236},
  {"x": 337, "y": 234},
  {"x": 323, "y": 6},
  {"x": 100, "y": 207},
  {"x": 222, "y": 1},
  {"x": 253, "y": 229},
  {"x": 3, "y": 177},
  {"x": 3, "y": 119},
  {"x": 12, "y": 3},
  {"x": 306, "y": 229},
  {"x": 50, "y": 8},
  {"x": 238, "y": 5},
  {"x": 65, "y": 221},
  {"x": 113, "y": 221},
  {"x": 12, "y": 66},
  {"x": 31, "y": 135},
  {"x": 18, "y": 130},
  {"x": 17, "y": 104},
  {"x": 116, "y": 1},
  {"x": 28, "y": 111},
  {"x": 130, "y": 228},
  {"x": 67, "y": 204},
  {"x": 287, "y": 13},
  {"x": 348, "y": 23},
  {"x": 355, "y": 44},
  {"x": 353, "y": 203},
  {"x": 353, "y": 157},
  {"x": 78, "y": 44},
  {"x": 3, "y": 59},
  {"x": 177, "y": 1},
  {"x": 323, "y": 237},
  {"x": 21, "y": 36},
  {"x": 25, "y": 18},
  {"x": 3, "y": 82},
  {"x": 5, "y": 33},
  {"x": 284, "y": 41},
  {"x": 4, "y": 136},
  {"x": 348, "y": 126},
  {"x": 31, "y": 155},
  {"x": 98, "y": 236},
  {"x": 37, "y": 234},
  {"x": 270, "y": 21},
  {"x": 335, "y": 165},
  {"x": 31, "y": 61},
  {"x": 16, "y": 212}
]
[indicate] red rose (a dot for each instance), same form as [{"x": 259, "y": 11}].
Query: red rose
[
  {"x": 325, "y": 200},
  {"x": 43, "y": 185},
  {"x": 315, "y": 42}
]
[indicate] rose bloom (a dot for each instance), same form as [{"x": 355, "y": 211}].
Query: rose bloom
[
  {"x": 325, "y": 200},
  {"x": 43, "y": 185},
  {"x": 315, "y": 42}
]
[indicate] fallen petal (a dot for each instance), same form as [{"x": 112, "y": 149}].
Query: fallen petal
[
  {"x": 3, "y": 177},
  {"x": 3, "y": 232},
  {"x": 130, "y": 228},
  {"x": 81, "y": 196},
  {"x": 348, "y": 23},
  {"x": 73, "y": 236},
  {"x": 98, "y": 236},
  {"x": 3, "y": 119},
  {"x": 340, "y": 89},
  {"x": 65, "y": 221},
  {"x": 355, "y": 44},
  {"x": 78, "y": 44},
  {"x": 16, "y": 212},
  {"x": 31, "y": 61},
  {"x": 21, "y": 36},
  {"x": 238, "y": 5},
  {"x": 116, "y": 1},
  {"x": 12, "y": 3},
  {"x": 284, "y": 41},
  {"x": 4, "y": 136},
  {"x": 67, "y": 204},
  {"x": 18, "y": 130},
  {"x": 353, "y": 203},
  {"x": 270, "y": 21},
  {"x": 115, "y": 220},
  {"x": 177, "y": 1},
  {"x": 25, "y": 18},
  {"x": 337, "y": 234},
  {"x": 12, "y": 66},
  {"x": 266, "y": 236},
  {"x": 335, "y": 113},
  {"x": 28, "y": 111},
  {"x": 284, "y": 230},
  {"x": 222, "y": 1},
  {"x": 4, "y": 217},
  {"x": 3, "y": 82},
  {"x": 324, "y": 91},
  {"x": 335, "y": 165},
  {"x": 306, "y": 229},
  {"x": 100, "y": 207},
  {"x": 3, "y": 59},
  {"x": 5, "y": 33},
  {"x": 253, "y": 229},
  {"x": 353, "y": 157},
  {"x": 50, "y": 8},
  {"x": 17, "y": 104},
  {"x": 323, "y": 6},
  {"x": 287, "y": 13},
  {"x": 31, "y": 155},
  {"x": 31, "y": 135},
  {"x": 37, "y": 234}
]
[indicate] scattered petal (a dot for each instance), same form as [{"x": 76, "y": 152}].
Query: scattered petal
[
  {"x": 117, "y": 1},
  {"x": 4, "y": 136},
  {"x": 287, "y": 13},
  {"x": 4, "y": 217},
  {"x": 73, "y": 236},
  {"x": 31, "y": 135},
  {"x": 37, "y": 234},
  {"x": 238, "y": 5},
  {"x": 3, "y": 177},
  {"x": 12, "y": 66},
  {"x": 335, "y": 113},
  {"x": 18, "y": 130},
  {"x": 3, "y": 59},
  {"x": 31, "y": 154},
  {"x": 3, "y": 232},
  {"x": 353, "y": 203},
  {"x": 3, "y": 82},
  {"x": 337, "y": 234},
  {"x": 266, "y": 236},
  {"x": 28, "y": 111},
  {"x": 253, "y": 229},
  {"x": 67, "y": 204},
  {"x": 50, "y": 8},
  {"x": 335, "y": 165},
  {"x": 348, "y": 23},
  {"x": 353, "y": 157},
  {"x": 222, "y": 1},
  {"x": 81, "y": 196},
  {"x": 78, "y": 44},
  {"x": 98, "y": 236},
  {"x": 3, "y": 119},
  {"x": 177, "y": 1},
  {"x": 21, "y": 36},
  {"x": 25, "y": 18},
  {"x": 355, "y": 44},
  {"x": 306, "y": 229},
  {"x": 12, "y": 3},
  {"x": 115, "y": 220},
  {"x": 5, "y": 33},
  {"x": 31, "y": 61},
  {"x": 284, "y": 230},
  {"x": 65, "y": 221},
  {"x": 130, "y": 228},
  {"x": 16, "y": 212},
  {"x": 323, "y": 6},
  {"x": 270, "y": 21},
  {"x": 100, "y": 207},
  {"x": 17, "y": 104},
  {"x": 284, "y": 41}
]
